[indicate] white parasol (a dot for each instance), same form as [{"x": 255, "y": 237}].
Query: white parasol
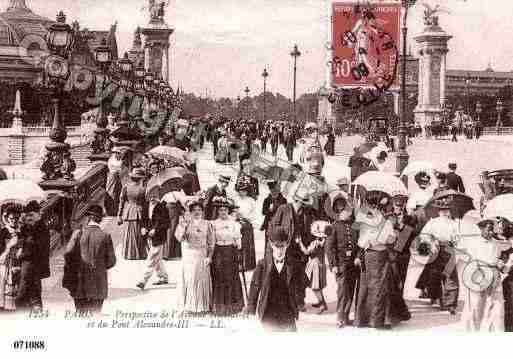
[
  {"x": 20, "y": 191},
  {"x": 500, "y": 206},
  {"x": 382, "y": 181}
]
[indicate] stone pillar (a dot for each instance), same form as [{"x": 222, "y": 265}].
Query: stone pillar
[
  {"x": 443, "y": 73},
  {"x": 165, "y": 63},
  {"x": 16, "y": 144},
  {"x": 432, "y": 44}
]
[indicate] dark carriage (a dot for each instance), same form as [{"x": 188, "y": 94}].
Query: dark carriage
[{"x": 378, "y": 128}]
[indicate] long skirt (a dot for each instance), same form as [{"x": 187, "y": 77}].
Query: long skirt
[
  {"x": 172, "y": 248},
  {"x": 440, "y": 286},
  {"x": 507, "y": 287},
  {"x": 484, "y": 309},
  {"x": 9, "y": 284},
  {"x": 227, "y": 288},
  {"x": 316, "y": 272},
  {"x": 248, "y": 246},
  {"x": 374, "y": 290},
  {"x": 134, "y": 245},
  {"x": 113, "y": 191},
  {"x": 196, "y": 282}
]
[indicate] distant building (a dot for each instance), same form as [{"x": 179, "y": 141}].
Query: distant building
[{"x": 22, "y": 43}]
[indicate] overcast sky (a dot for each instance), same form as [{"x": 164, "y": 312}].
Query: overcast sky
[{"x": 224, "y": 45}]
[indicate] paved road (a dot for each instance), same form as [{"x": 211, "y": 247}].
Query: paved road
[{"x": 471, "y": 156}]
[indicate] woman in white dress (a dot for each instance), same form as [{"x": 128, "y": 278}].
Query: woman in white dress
[
  {"x": 227, "y": 288},
  {"x": 484, "y": 299},
  {"x": 245, "y": 214},
  {"x": 196, "y": 237}
]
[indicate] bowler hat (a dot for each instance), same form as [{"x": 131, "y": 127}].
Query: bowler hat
[
  {"x": 279, "y": 236},
  {"x": 94, "y": 210},
  {"x": 32, "y": 206},
  {"x": 452, "y": 166}
]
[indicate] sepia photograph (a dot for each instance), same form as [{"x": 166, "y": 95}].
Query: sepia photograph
[{"x": 258, "y": 169}]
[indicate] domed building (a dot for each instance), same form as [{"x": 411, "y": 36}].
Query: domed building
[{"x": 22, "y": 42}]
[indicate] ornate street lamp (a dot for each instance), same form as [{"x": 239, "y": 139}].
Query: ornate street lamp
[
  {"x": 402, "y": 154},
  {"x": 295, "y": 54},
  {"x": 58, "y": 167},
  {"x": 499, "y": 109},
  {"x": 246, "y": 90},
  {"x": 265, "y": 74},
  {"x": 126, "y": 67},
  {"x": 103, "y": 57},
  {"x": 468, "y": 82}
]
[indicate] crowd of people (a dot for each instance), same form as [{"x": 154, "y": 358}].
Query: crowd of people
[{"x": 364, "y": 238}]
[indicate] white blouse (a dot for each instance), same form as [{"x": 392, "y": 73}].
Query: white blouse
[
  {"x": 443, "y": 229},
  {"x": 247, "y": 208},
  {"x": 375, "y": 231},
  {"x": 227, "y": 233}
]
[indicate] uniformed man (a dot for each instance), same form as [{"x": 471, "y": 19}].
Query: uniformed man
[{"x": 454, "y": 181}]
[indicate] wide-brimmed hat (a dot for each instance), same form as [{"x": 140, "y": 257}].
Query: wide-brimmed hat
[
  {"x": 94, "y": 210},
  {"x": 32, "y": 206},
  {"x": 484, "y": 222},
  {"x": 137, "y": 173},
  {"x": 443, "y": 202},
  {"x": 321, "y": 229}
]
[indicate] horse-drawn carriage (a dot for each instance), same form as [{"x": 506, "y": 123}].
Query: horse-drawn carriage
[
  {"x": 439, "y": 129},
  {"x": 494, "y": 183},
  {"x": 378, "y": 129}
]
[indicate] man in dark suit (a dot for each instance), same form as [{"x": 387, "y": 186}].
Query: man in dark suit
[
  {"x": 454, "y": 181},
  {"x": 272, "y": 292},
  {"x": 35, "y": 267},
  {"x": 218, "y": 190},
  {"x": 271, "y": 204},
  {"x": 89, "y": 255},
  {"x": 160, "y": 222},
  {"x": 343, "y": 257}
]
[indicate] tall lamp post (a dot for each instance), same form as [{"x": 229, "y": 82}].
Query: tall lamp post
[
  {"x": 103, "y": 58},
  {"x": 467, "y": 91},
  {"x": 499, "y": 109},
  {"x": 58, "y": 167},
  {"x": 295, "y": 53},
  {"x": 246, "y": 90},
  {"x": 126, "y": 67},
  {"x": 479, "y": 110},
  {"x": 402, "y": 154},
  {"x": 265, "y": 74}
]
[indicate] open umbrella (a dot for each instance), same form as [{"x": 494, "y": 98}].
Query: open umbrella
[
  {"x": 418, "y": 166},
  {"x": 20, "y": 191},
  {"x": 461, "y": 203},
  {"x": 170, "y": 179},
  {"x": 382, "y": 181},
  {"x": 500, "y": 206}
]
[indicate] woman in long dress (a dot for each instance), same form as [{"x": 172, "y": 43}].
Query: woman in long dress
[
  {"x": 176, "y": 201},
  {"x": 114, "y": 186},
  {"x": 227, "y": 288},
  {"x": 132, "y": 215},
  {"x": 246, "y": 214},
  {"x": 197, "y": 238},
  {"x": 376, "y": 233},
  {"x": 13, "y": 246},
  {"x": 484, "y": 300}
]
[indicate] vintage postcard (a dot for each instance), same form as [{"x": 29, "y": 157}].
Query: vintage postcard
[{"x": 186, "y": 172}]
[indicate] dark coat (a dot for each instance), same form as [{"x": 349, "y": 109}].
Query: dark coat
[
  {"x": 41, "y": 261},
  {"x": 88, "y": 256},
  {"x": 455, "y": 182},
  {"x": 342, "y": 245},
  {"x": 268, "y": 212},
  {"x": 214, "y": 191},
  {"x": 260, "y": 285},
  {"x": 160, "y": 222}
]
